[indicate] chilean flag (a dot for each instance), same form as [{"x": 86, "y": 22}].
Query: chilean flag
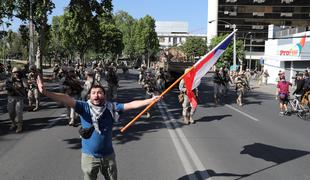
[{"x": 193, "y": 78}]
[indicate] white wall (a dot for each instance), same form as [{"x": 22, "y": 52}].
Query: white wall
[{"x": 212, "y": 15}]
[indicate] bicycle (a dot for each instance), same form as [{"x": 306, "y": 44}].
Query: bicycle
[{"x": 294, "y": 106}]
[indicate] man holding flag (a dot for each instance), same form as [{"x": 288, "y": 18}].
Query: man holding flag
[{"x": 188, "y": 108}]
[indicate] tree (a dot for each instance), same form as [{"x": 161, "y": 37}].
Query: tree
[
  {"x": 228, "y": 54},
  {"x": 194, "y": 46},
  {"x": 145, "y": 38},
  {"x": 41, "y": 9},
  {"x": 124, "y": 22}
]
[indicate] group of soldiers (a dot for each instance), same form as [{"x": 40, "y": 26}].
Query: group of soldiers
[
  {"x": 153, "y": 81},
  {"x": 223, "y": 79},
  {"x": 75, "y": 81}
]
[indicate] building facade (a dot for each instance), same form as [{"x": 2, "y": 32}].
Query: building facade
[
  {"x": 173, "y": 33},
  {"x": 287, "y": 51},
  {"x": 252, "y": 18}
]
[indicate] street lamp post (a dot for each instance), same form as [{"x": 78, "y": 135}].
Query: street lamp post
[
  {"x": 244, "y": 40},
  {"x": 234, "y": 45},
  {"x": 250, "y": 52}
]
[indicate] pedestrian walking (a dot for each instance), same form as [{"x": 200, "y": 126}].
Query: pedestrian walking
[
  {"x": 16, "y": 88},
  {"x": 265, "y": 77},
  {"x": 283, "y": 94},
  {"x": 97, "y": 117}
]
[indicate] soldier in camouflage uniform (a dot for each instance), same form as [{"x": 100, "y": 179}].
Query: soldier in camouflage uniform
[
  {"x": 188, "y": 110},
  {"x": 241, "y": 86},
  {"x": 16, "y": 88},
  {"x": 89, "y": 82},
  {"x": 149, "y": 84},
  {"x": 33, "y": 94},
  {"x": 112, "y": 80},
  {"x": 72, "y": 87}
]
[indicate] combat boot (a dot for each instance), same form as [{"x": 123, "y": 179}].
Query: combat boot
[
  {"x": 191, "y": 120},
  {"x": 12, "y": 127},
  {"x": 186, "y": 121},
  {"x": 37, "y": 106},
  {"x": 148, "y": 115},
  {"x": 19, "y": 128}
]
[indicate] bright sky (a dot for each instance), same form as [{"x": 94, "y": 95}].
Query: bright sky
[{"x": 194, "y": 12}]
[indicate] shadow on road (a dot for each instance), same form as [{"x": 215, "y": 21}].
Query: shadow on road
[
  {"x": 212, "y": 118},
  {"x": 32, "y": 124},
  {"x": 209, "y": 173},
  {"x": 272, "y": 154},
  {"x": 74, "y": 142}
]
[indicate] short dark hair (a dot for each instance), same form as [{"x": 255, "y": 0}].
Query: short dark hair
[{"x": 97, "y": 86}]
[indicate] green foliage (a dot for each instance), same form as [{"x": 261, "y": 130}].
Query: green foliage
[
  {"x": 124, "y": 23},
  {"x": 145, "y": 38},
  {"x": 228, "y": 54},
  {"x": 194, "y": 46},
  {"x": 111, "y": 40}
]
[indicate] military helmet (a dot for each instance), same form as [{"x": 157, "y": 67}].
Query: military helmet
[
  {"x": 32, "y": 67},
  {"x": 16, "y": 69}
]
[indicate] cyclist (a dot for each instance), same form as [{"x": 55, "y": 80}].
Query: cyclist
[
  {"x": 283, "y": 93},
  {"x": 299, "y": 85}
]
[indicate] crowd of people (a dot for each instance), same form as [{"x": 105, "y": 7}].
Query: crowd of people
[{"x": 90, "y": 92}]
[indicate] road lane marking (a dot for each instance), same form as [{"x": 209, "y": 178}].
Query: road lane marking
[
  {"x": 188, "y": 147},
  {"x": 177, "y": 144},
  {"x": 243, "y": 113}
]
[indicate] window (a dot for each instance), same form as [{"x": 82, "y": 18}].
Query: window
[
  {"x": 258, "y": 1},
  {"x": 286, "y": 14},
  {"x": 258, "y": 27},
  {"x": 259, "y": 14},
  {"x": 287, "y": 1},
  {"x": 161, "y": 39}
]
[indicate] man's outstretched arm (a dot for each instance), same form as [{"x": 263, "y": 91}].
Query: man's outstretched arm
[
  {"x": 139, "y": 103},
  {"x": 60, "y": 97}
]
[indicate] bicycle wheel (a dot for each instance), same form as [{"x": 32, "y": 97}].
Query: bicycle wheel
[
  {"x": 306, "y": 113},
  {"x": 290, "y": 107}
]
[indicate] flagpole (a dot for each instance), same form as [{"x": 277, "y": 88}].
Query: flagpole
[{"x": 123, "y": 129}]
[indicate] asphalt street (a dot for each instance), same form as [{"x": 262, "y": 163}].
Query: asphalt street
[{"x": 226, "y": 142}]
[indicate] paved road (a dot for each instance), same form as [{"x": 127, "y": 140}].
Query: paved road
[{"x": 226, "y": 142}]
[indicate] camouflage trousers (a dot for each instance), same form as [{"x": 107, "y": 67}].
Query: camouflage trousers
[
  {"x": 71, "y": 114},
  {"x": 91, "y": 166},
  {"x": 240, "y": 93},
  {"x": 188, "y": 110},
  {"x": 15, "y": 109},
  {"x": 112, "y": 91},
  {"x": 33, "y": 97}
]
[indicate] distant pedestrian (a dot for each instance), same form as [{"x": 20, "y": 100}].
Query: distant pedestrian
[
  {"x": 265, "y": 77},
  {"x": 97, "y": 117}
]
